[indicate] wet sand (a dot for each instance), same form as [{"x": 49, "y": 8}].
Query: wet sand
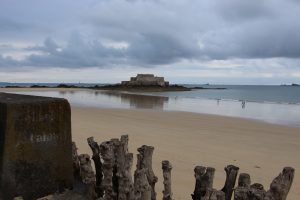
[
  {"x": 190, "y": 139},
  {"x": 284, "y": 114}
]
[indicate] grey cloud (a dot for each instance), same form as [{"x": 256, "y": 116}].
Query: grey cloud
[
  {"x": 256, "y": 40},
  {"x": 6, "y": 47},
  {"x": 159, "y": 49},
  {"x": 9, "y": 25},
  {"x": 49, "y": 46},
  {"x": 149, "y": 49},
  {"x": 77, "y": 53},
  {"x": 158, "y": 31},
  {"x": 226, "y": 29},
  {"x": 237, "y": 10},
  {"x": 8, "y": 62}
]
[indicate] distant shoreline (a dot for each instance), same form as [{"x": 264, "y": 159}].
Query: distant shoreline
[
  {"x": 119, "y": 87},
  {"x": 293, "y": 84}
]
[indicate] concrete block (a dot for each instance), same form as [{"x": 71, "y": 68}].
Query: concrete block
[{"x": 35, "y": 146}]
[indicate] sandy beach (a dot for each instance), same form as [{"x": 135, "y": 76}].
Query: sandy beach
[{"x": 188, "y": 139}]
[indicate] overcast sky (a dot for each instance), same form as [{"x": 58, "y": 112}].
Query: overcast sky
[{"x": 187, "y": 41}]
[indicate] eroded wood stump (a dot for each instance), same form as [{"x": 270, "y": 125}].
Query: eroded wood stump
[
  {"x": 213, "y": 194},
  {"x": 87, "y": 176},
  {"x": 98, "y": 165},
  {"x": 124, "y": 163},
  {"x": 144, "y": 161},
  {"x": 244, "y": 180},
  {"x": 256, "y": 192},
  {"x": 241, "y": 191},
  {"x": 107, "y": 154},
  {"x": 142, "y": 188},
  {"x": 76, "y": 163},
  {"x": 167, "y": 168},
  {"x": 118, "y": 185},
  {"x": 231, "y": 175},
  {"x": 281, "y": 185},
  {"x": 246, "y": 191},
  {"x": 204, "y": 180}
]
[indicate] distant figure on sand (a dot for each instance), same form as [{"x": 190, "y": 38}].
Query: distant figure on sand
[{"x": 243, "y": 104}]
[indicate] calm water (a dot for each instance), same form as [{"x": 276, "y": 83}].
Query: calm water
[
  {"x": 200, "y": 101},
  {"x": 275, "y": 94}
]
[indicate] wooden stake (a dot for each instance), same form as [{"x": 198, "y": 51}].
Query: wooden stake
[
  {"x": 145, "y": 162},
  {"x": 167, "y": 168},
  {"x": 231, "y": 174},
  {"x": 204, "y": 180},
  {"x": 98, "y": 165}
]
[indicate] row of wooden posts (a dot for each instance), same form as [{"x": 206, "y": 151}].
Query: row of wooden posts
[{"x": 113, "y": 180}]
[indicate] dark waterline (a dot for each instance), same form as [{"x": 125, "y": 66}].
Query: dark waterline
[{"x": 285, "y": 114}]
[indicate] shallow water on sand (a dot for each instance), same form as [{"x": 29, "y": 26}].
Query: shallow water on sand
[
  {"x": 255, "y": 93},
  {"x": 285, "y": 114}
]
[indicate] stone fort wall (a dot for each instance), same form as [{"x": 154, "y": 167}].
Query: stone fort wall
[{"x": 146, "y": 80}]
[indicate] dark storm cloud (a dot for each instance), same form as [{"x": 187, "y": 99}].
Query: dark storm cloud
[{"x": 157, "y": 31}]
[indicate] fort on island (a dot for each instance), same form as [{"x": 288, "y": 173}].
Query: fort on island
[
  {"x": 146, "y": 80},
  {"x": 148, "y": 83}
]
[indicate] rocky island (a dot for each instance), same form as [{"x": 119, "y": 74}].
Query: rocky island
[
  {"x": 145, "y": 82},
  {"x": 139, "y": 83}
]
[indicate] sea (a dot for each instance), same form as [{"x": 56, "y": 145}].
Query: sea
[{"x": 268, "y": 103}]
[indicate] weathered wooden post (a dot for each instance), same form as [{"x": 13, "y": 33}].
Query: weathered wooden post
[
  {"x": 244, "y": 180},
  {"x": 213, "y": 194},
  {"x": 76, "y": 163},
  {"x": 144, "y": 161},
  {"x": 115, "y": 142},
  {"x": 241, "y": 191},
  {"x": 167, "y": 168},
  {"x": 231, "y": 174},
  {"x": 35, "y": 146},
  {"x": 107, "y": 154},
  {"x": 281, "y": 185},
  {"x": 256, "y": 192},
  {"x": 98, "y": 165},
  {"x": 142, "y": 188},
  {"x": 87, "y": 176},
  {"x": 204, "y": 180},
  {"x": 246, "y": 191},
  {"x": 124, "y": 163}
]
